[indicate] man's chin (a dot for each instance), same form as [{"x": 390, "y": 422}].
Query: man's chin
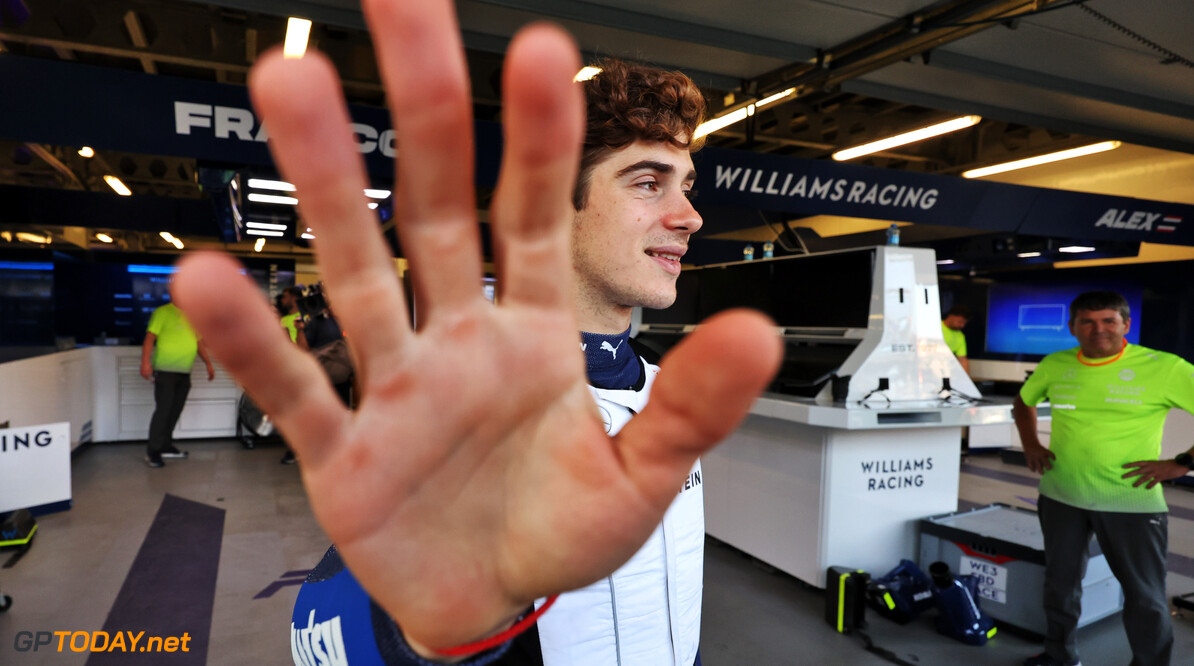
[
  {"x": 657, "y": 301},
  {"x": 1100, "y": 352}
]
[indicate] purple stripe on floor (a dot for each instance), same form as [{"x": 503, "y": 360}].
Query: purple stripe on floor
[
  {"x": 1175, "y": 511},
  {"x": 1180, "y": 564},
  {"x": 170, "y": 589},
  {"x": 1000, "y": 475}
]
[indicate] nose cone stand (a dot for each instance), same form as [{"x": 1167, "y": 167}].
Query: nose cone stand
[{"x": 858, "y": 472}]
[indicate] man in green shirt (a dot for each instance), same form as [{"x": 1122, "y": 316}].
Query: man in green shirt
[
  {"x": 167, "y": 355},
  {"x": 951, "y": 328},
  {"x": 1101, "y": 473},
  {"x": 292, "y": 319}
]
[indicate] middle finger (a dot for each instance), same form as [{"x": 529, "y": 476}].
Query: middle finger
[{"x": 422, "y": 63}]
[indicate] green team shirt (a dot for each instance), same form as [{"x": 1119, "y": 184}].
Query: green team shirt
[
  {"x": 288, "y": 324},
  {"x": 955, "y": 340},
  {"x": 176, "y": 345},
  {"x": 1105, "y": 416}
]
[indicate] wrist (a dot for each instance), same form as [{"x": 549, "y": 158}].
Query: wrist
[
  {"x": 429, "y": 654},
  {"x": 1185, "y": 460},
  {"x": 425, "y": 651}
]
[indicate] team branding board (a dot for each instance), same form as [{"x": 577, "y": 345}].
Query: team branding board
[
  {"x": 807, "y": 187},
  {"x": 34, "y": 466},
  {"x": 162, "y": 115}
]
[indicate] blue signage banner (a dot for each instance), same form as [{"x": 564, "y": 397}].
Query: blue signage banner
[
  {"x": 803, "y": 187},
  {"x": 817, "y": 187},
  {"x": 68, "y": 104},
  {"x": 62, "y": 103}
]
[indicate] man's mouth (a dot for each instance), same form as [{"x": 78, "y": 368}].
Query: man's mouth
[{"x": 664, "y": 255}]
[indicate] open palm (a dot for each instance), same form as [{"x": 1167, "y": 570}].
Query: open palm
[{"x": 476, "y": 475}]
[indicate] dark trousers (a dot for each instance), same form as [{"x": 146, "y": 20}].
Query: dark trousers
[
  {"x": 1136, "y": 545},
  {"x": 170, "y": 391}
]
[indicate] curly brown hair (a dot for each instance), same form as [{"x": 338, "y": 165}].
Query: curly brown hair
[{"x": 628, "y": 102}]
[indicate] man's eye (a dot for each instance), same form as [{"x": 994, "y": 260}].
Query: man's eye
[
  {"x": 690, "y": 194},
  {"x": 649, "y": 185}
]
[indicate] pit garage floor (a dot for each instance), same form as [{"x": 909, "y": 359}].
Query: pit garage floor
[{"x": 214, "y": 546}]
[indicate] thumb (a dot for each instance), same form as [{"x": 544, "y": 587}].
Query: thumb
[{"x": 705, "y": 386}]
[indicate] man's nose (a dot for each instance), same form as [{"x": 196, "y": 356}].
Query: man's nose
[{"x": 682, "y": 216}]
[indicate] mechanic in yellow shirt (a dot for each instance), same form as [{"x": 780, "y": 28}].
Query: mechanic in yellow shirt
[
  {"x": 167, "y": 355},
  {"x": 1101, "y": 473},
  {"x": 951, "y": 329}
]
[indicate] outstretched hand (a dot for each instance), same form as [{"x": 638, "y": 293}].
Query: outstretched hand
[{"x": 476, "y": 475}]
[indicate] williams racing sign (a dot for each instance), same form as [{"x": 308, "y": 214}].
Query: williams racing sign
[
  {"x": 161, "y": 115},
  {"x": 804, "y": 187}
]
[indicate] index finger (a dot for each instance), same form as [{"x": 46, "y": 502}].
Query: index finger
[{"x": 311, "y": 139}]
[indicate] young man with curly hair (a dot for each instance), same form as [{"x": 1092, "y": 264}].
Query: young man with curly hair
[
  {"x": 490, "y": 468},
  {"x": 631, "y": 226}
]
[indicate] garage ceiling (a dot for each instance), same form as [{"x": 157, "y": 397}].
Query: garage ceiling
[{"x": 1044, "y": 74}]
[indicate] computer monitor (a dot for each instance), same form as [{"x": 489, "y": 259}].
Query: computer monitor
[{"x": 1033, "y": 319}]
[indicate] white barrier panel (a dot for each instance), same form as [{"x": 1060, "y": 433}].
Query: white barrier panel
[{"x": 34, "y": 466}]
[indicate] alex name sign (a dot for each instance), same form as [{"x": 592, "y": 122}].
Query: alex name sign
[
  {"x": 34, "y": 466},
  {"x": 992, "y": 578}
]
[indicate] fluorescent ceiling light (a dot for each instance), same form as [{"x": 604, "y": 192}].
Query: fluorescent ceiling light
[
  {"x": 1075, "y": 249},
  {"x": 34, "y": 238},
  {"x": 297, "y": 32},
  {"x": 120, "y": 188},
  {"x": 177, "y": 242},
  {"x": 263, "y": 184},
  {"x": 714, "y": 124},
  {"x": 377, "y": 194},
  {"x": 586, "y": 73},
  {"x": 167, "y": 236},
  {"x": 307, "y": 236},
  {"x": 373, "y": 205},
  {"x": 944, "y": 262},
  {"x": 272, "y": 198},
  {"x": 710, "y": 126},
  {"x": 86, "y": 151},
  {"x": 776, "y": 97},
  {"x": 103, "y": 238},
  {"x": 1043, "y": 159},
  {"x": 1028, "y": 255},
  {"x": 259, "y": 244},
  {"x": 263, "y": 232},
  {"x": 266, "y": 225},
  {"x": 907, "y": 137}
]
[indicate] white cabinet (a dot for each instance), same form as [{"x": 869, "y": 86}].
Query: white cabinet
[
  {"x": 210, "y": 409},
  {"x": 100, "y": 392}
]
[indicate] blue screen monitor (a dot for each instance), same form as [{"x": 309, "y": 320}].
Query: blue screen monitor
[{"x": 1034, "y": 319}]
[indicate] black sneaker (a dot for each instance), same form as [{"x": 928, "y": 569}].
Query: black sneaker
[
  {"x": 288, "y": 459},
  {"x": 1043, "y": 659},
  {"x": 171, "y": 452},
  {"x": 154, "y": 460}
]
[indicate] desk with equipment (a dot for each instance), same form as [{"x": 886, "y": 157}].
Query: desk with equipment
[{"x": 859, "y": 436}]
